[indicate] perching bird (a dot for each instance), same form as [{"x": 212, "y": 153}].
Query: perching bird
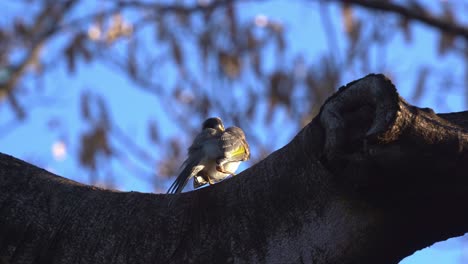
[{"x": 214, "y": 155}]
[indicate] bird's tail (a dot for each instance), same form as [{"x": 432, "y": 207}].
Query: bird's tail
[{"x": 184, "y": 176}]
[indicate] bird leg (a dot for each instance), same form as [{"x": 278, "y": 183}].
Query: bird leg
[
  {"x": 221, "y": 169},
  {"x": 220, "y": 166},
  {"x": 199, "y": 181}
]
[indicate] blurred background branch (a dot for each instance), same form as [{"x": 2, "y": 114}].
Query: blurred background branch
[
  {"x": 415, "y": 10},
  {"x": 124, "y": 85}
]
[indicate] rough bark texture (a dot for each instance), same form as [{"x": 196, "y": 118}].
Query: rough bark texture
[{"x": 370, "y": 180}]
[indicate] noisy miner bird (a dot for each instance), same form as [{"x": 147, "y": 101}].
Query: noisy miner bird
[{"x": 214, "y": 155}]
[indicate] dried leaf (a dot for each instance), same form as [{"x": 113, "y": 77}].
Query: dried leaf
[
  {"x": 161, "y": 30},
  {"x": 446, "y": 40},
  {"x": 251, "y": 40},
  {"x": 310, "y": 81},
  {"x": 84, "y": 106},
  {"x": 280, "y": 41},
  {"x": 256, "y": 62},
  {"x": 355, "y": 34},
  {"x": 176, "y": 52},
  {"x": 18, "y": 109},
  {"x": 77, "y": 47},
  {"x": 348, "y": 18},
  {"x": 183, "y": 19},
  {"x": 420, "y": 83},
  {"x": 69, "y": 53},
  {"x": 271, "y": 109},
  {"x": 175, "y": 147},
  {"x": 87, "y": 55},
  {"x": 281, "y": 87},
  {"x": 87, "y": 152},
  {"x": 104, "y": 119},
  {"x": 204, "y": 42},
  {"x": 207, "y": 15},
  {"x": 405, "y": 27},
  {"x": 94, "y": 110},
  {"x": 100, "y": 139},
  {"x": 94, "y": 143},
  {"x": 205, "y": 106},
  {"x": 153, "y": 131},
  {"x": 230, "y": 64},
  {"x": 182, "y": 95},
  {"x": 132, "y": 67},
  {"x": 448, "y": 14},
  {"x": 95, "y": 33},
  {"x": 252, "y": 106},
  {"x": 118, "y": 28},
  {"x": 231, "y": 15},
  {"x": 20, "y": 28}
]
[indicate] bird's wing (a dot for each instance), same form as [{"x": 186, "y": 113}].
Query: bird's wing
[
  {"x": 191, "y": 165},
  {"x": 208, "y": 135},
  {"x": 234, "y": 145}
]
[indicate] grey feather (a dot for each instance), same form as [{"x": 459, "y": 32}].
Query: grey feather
[
  {"x": 234, "y": 138},
  {"x": 186, "y": 173},
  {"x": 196, "y": 153}
]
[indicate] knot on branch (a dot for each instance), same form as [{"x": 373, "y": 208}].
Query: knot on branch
[
  {"x": 362, "y": 110},
  {"x": 377, "y": 140}
]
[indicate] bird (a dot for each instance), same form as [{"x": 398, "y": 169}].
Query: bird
[{"x": 215, "y": 154}]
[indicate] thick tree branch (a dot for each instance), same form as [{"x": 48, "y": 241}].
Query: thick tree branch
[
  {"x": 370, "y": 180},
  {"x": 389, "y": 127}
]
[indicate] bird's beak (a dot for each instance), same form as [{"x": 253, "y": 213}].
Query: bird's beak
[{"x": 221, "y": 128}]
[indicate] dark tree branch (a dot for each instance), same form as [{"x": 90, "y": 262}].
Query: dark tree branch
[
  {"x": 370, "y": 180},
  {"x": 178, "y": 8},
  {"x": 426, "y": 18},
  {"x": 155, "y": 8}
]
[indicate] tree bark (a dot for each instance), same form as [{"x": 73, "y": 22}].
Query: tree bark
[{"x": 370, "y": 180}]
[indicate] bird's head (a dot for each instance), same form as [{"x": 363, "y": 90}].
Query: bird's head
[{"x": 214, "y": 123}]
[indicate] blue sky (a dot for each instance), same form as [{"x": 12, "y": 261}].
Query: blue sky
[{"x": 131, "y": 108}]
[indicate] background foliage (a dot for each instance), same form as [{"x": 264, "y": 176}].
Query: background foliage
[{"x": 115, "y": 90}]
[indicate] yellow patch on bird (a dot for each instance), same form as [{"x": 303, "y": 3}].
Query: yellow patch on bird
[{"x": 239, "y": 151}]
